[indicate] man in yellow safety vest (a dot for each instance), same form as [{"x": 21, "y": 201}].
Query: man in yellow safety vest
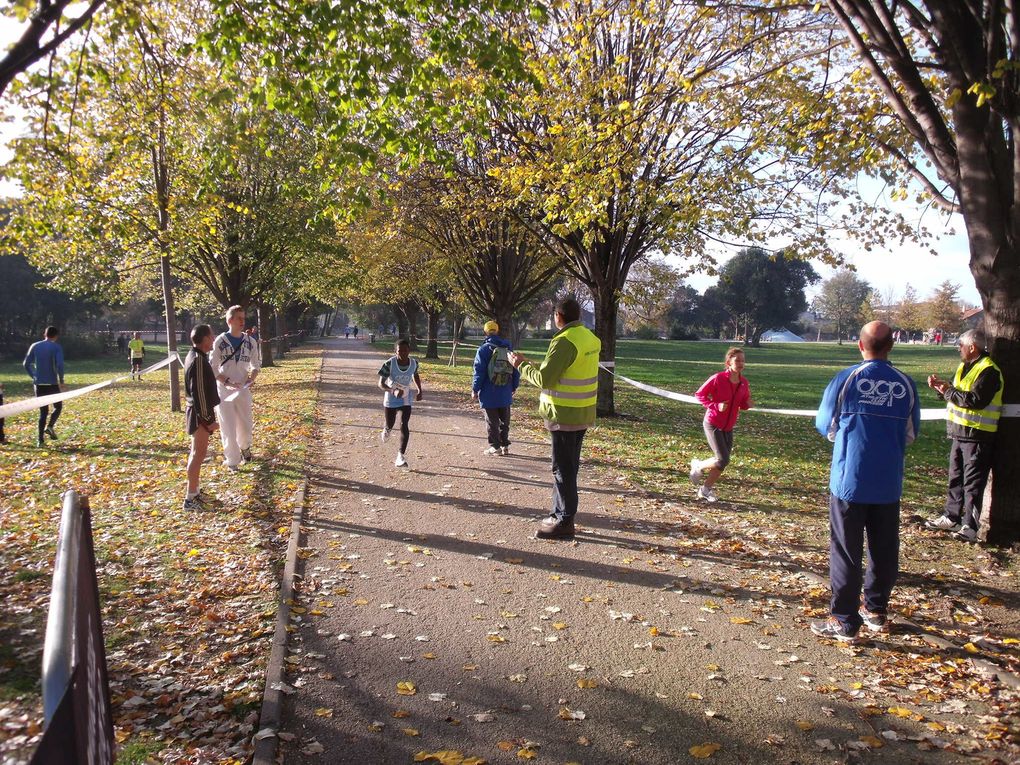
[
  {"x": 568, "y": 378},
  {"x": 973, "y": 406}
]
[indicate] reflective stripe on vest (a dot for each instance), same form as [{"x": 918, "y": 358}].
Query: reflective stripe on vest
[
  {"x": 986, "y": 419},
  {"x": 579, "y": 385}
]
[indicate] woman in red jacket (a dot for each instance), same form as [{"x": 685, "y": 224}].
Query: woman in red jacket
[{"x": 723, "y": 395}]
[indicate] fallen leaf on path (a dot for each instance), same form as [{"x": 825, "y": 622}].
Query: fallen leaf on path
[
  {"x": 406, "y": 688},
  {"x": 704, "y": 751}
]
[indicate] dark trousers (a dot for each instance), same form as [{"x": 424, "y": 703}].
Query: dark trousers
[
  {"x": 2, "y": 436},
  {"x": 46, "y": 390},
  {"x": 848, "y": 523},
  {"x": 405, "y": 431},
  {"x": 969, "y": 463},
  {"x": 566, "y": 460},
  {"x": 497, "y": 420}
]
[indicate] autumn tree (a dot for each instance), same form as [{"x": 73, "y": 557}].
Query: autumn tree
[
  {"x": 649, "y": 127},
  {"x": 649, "y": 293},
  {"x": 942, "y": 309},
  {"x": 947, "y": 73},
  {"x": 909, "y": 314},
  {"x": 763, "y": 291},
  {"x": 841, "y": 301}
]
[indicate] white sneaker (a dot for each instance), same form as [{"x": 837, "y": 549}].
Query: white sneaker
[
  {"x": 492, "y": 450},
  {"x": 707, "y": 493},
  {"x": 384, "y": 435},
  {"x": 696, "y": 475},
  {"x": 400, "y": 461}
]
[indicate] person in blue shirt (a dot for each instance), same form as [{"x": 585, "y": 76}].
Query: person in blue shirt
[
  {"x": 871, "y": 413},
  {"x": 44, "y": 363},
  {"x": 493, "y": 386}
]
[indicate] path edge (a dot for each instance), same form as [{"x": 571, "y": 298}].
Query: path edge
[{"x": 267, "y": 741}]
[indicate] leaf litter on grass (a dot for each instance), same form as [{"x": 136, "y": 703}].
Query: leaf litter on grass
[{"x": 189, "y": 599}]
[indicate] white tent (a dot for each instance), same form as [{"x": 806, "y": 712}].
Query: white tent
[{"x": 782, "y": 335}]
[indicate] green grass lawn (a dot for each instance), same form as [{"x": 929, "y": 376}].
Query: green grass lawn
[{"x": 186, "y": 596}]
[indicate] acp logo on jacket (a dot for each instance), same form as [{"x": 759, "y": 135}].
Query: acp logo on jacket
[{"x": 880, "y": 392}]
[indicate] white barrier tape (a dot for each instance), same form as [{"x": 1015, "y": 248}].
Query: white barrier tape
[
  {"x": 30, "y": 404},
  {"x": 1009, "y": 410}
]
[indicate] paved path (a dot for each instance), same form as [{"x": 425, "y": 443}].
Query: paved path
[{"x": 661, "y": 632}]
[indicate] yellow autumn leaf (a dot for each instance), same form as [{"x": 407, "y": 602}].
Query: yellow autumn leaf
[
  {"x": 527, "y": 754},
  {"x": 900, "y": 711},
  {"x": 410, "y": 732},
  {"x": 873, "y": 741},
  {"x": 654, "y": 631},
  {"x": 496, "y": 639},
  {"x": 429, "y": 655},
  {"x": 704, "y": 751},
  {"x": 740, "y": 620},
  {"x": 361, "y": 602},
  {"x": 505, "y": 746},
  {"x": 560, "y": 625},
  {"x": 192, "y": 552},
  {"x": 1011, "y": 641},
  {"x": 585, "y": 682},
  {"x": 406, "y": 688},
  {"x": 970, "y": 648},
  {"x": 695, "y": 696},
  {"x": 804, "y": 725},
  {"x": 400, "y": 714},
  {"x": 323, "y": 712}
]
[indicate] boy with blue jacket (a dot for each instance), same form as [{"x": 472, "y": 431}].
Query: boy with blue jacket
[
  {"x": 870, "y": 413},
  {"x": 495, "y": 381},
  {"x": 44, "y": 363}
]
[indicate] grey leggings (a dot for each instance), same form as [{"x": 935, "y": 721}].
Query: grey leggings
[{"x": 721, "y": 443}]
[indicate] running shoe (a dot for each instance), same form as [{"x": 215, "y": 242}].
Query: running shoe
[
  {"x": 246, "y": 455},
  {"x": 707, "y": 493},
  {"x": 967, "y": 534},
  {"x": 51, "y": 432},
  {"x": 384, "y": 435},
  {"x": 831, "y": 628},
  {"x": 696, "y": 475},
  {"x": 942, "y": 523},
  {"x": 493, "y": 450},
  {"x": 505, "y": 451},
  {"x": 874, "y": 621},
  {"x": 193, "y": 504},
  {"x": 400, "y": 461}
]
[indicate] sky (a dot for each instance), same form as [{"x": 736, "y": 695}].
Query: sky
[{"x": 887, "y": 270}]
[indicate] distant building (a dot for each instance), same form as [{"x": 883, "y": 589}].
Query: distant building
[{"x": 974, "y": 318}]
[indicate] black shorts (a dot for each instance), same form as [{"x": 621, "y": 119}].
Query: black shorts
[
  {"x": 191, "y": 417},
  {"x": 136, "y": 365}
]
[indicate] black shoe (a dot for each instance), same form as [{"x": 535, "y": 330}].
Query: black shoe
[
  {"x": 553, "y": 528},
  {"x": 41, "y": 443},
  {"x": 51, "y": 432},
  {"x": 246, "y": 455},
  {"x": 874, "y": 621}
]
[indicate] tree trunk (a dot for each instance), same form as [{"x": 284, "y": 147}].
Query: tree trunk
[
  {"x": 281, "y": 330},
  {"x": 432, "y": 349},
  {"x": 171, "y": 332},
  {"x": 402, "y": 331},
  {"x": 264, "y": 341},
  {"x": 1002, "y": 325},
  {"x": 412, "y": 325},
  {"x": 607, "y": 310}
]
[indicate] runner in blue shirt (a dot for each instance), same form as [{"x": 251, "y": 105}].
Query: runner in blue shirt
[{"x": 44, "y": 363}]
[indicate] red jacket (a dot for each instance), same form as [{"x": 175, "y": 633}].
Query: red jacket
[{"x": 718, "y": 389}]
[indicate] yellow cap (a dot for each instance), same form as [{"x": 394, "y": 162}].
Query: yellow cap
[{"x": 491, "y": 328}]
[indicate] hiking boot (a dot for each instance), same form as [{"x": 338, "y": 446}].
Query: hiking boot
[
  {"x": 246, "y": 455},
  {"x": 874, "y": 621},
  {"x": 400, "y": 461},
  {"x": 505, "y": 451},
  {"x": 51, "y": 432},
  {"x": 707, "y": 493},
  {"x": 831, "y": 628},
  {"x": 384, "y": 435},
  {"x": 942, "y": 523},
  {"x": 967, "y": 534},
  {"x": 697, "y": 476},
  {"x": 553, "y": 528},
  {"x": 493, "y": 450},
  {"x": 193, "y": 504}
]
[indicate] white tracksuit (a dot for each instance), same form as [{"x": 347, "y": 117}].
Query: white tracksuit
[{"x": 236, "y": 416}]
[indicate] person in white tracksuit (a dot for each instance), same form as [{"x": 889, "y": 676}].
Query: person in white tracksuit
[{"x": 236, "y": 360}]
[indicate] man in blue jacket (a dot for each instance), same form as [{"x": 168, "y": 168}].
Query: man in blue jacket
[
  {"x": 871, "y": 413},
  {"x": 493, "y": 386},
  {"x": 44, "y": 363}
]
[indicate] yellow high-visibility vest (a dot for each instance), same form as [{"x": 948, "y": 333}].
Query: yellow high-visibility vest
[
  {"x": 986, "y": 419},
  {"x": 578, "y": 386}
]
